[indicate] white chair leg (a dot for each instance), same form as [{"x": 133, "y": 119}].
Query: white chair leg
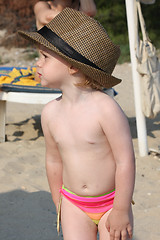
[{"x": 2, "y": 120}]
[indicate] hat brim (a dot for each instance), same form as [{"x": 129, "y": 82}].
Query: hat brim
[{"x": 102, "y": 78}]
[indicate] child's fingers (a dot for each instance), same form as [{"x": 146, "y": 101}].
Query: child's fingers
[
  {"x": 124, "y": 235},
  {"x": 108, "y": 226},
  {"x": 117, "y": 235},
  {"x": 129, "y": 229},
  {"x": 112, "y": 234}
]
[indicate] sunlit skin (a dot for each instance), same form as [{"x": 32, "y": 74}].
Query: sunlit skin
[
  {"x": 45, "y": 11},
  {"x": 88, "y": 149},
  {"x": 51, "y": 69}
]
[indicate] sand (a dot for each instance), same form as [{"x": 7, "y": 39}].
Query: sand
[{"x": 26, "y": 208}]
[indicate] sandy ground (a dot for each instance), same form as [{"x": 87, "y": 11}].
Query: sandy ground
[{"x": 26, "y": 208}]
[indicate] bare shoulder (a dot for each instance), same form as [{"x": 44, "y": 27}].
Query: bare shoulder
[
  {"x": 50, "y": 109},
  {"x": 111, "y": 116},
  {"x": 115, "y": 126},
  {"x": 107, "y": 105}
]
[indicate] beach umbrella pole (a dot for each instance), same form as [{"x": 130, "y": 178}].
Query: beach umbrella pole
[{"x": 140, "y": 118}]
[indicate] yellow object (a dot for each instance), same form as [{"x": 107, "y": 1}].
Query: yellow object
[
  {"x": 59, "y": 215},
  {"x": 24, "y": 77}
]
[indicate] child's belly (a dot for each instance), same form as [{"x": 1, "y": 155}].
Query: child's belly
[{"x": 89, "y": 174}]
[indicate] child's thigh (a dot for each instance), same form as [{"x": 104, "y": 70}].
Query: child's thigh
[
  {"x": 75, "y": 223},
  {"x": 103, "y": 232}
]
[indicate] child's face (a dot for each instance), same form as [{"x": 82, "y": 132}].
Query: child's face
[{"x": 51, "y": 68}]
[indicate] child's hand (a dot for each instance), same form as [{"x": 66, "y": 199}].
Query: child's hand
[{"x": 118, "y": 225}]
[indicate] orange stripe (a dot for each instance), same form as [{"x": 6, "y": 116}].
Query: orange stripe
[{"x": 95, "y": 216}]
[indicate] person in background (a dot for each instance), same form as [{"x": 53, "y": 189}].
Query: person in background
[{"x": 45, "y": 11}]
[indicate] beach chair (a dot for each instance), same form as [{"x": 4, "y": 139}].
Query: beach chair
[{"x": 21, "y": 94}]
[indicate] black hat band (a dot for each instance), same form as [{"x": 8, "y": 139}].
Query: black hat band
[{"x": 64, "y": 47}]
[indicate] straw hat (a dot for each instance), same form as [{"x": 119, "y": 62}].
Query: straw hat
[{"x": 81, "y": 41}]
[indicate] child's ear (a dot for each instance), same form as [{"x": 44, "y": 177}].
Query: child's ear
[{"x": 72, "y": 70}]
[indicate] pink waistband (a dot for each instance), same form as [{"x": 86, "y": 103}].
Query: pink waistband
[{"x": 96, "y": 204}]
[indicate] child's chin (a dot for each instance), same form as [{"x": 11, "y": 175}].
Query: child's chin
[{"x": 44, "y": 84}]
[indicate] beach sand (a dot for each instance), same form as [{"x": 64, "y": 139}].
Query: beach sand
[{"x": 26, "y": 208}]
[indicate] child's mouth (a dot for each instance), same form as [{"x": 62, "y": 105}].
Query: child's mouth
[{"x": 39, "y": 74}]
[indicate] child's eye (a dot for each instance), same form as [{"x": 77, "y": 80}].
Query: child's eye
[{"x": 44, "y": 55}]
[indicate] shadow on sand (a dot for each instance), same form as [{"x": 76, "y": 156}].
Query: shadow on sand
[
  {"x": 27, "y": 216},
  {"x": 151, "y": 124},
  {"x": 32, "y": 125}
]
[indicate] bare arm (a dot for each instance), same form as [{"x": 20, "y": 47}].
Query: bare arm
[
  {"x": 88, "y": 7},
  {"x": 116, "y": 128},
  {"x": 53, "y": 160}
]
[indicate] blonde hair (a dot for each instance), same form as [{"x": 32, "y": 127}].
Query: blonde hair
[{"x": 89, "y": 82}]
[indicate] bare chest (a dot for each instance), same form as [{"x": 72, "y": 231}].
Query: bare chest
[{"x": 77, "y": 130}]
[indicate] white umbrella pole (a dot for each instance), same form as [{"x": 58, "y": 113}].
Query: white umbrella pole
[{"x": 140, "y": 118}]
